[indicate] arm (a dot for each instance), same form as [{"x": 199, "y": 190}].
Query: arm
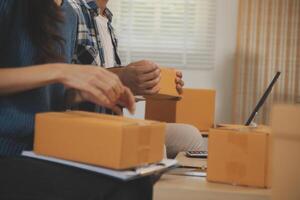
[
  {"x": 14, "y": 80},
  {"x": 142, "y": 77},
  {"x": 95, "y": 85}
]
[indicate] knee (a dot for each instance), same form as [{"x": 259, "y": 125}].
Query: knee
[{"x": 182, "y": 137}]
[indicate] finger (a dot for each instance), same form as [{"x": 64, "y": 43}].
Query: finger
[
  {"x": 107, "y": 89},
  {"x": 179, "y": 81},
  {"x": 179, "y": 74},
  {"x": 113, "y": 80},
  {"x": 122, "y": 104},
  {"x": 152, "y": 91},
  {"x": 128, "y": 100},
  {"x": 150, "y": 76},
  {"x": 116, "y": 87},
  {"x": 143, "y": 63},
  {"x": 119, "y": 83},
  {"x": 97, "y": 97},
  {"x": 150, "y": 84},
  {"x": 179, "y": 89},
  {"x": 146, "y": 67},
  {"x": 117, "y": 110},
  {"x": 106, "y": 104}
]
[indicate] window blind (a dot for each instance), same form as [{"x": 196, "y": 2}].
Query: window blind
[{"x": 177, "y": 33}]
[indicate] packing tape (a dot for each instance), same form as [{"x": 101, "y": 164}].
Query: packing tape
[
  {"x": 144, "y": 140},
  {"x": 236, "y": 170},
  {"x": 144, "y": 135}
]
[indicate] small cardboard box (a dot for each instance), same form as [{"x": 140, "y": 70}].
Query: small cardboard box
[
  {"x": 239, "y": 156},
  {"x": 196, "y": 107},
  {"x": 285, "y": 123},
  {"x": 108, "y": 141},
  {"x": 167, "y": 85}
]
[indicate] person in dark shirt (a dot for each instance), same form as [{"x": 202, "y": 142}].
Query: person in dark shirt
[{"x": 36, "y": 44}]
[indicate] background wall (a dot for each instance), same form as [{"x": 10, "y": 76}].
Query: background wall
[
  {"x": 268, "y": 41},
  {"x": 221, "y": 77}
]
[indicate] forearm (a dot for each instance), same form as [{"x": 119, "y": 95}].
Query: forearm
[{"x": 14, "y": 80}]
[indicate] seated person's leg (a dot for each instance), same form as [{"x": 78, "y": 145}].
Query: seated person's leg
[
  {"x": 29, "y": 179},
  {"x": 182, "y": 137}
]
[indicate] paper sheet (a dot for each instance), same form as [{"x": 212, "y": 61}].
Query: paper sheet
[{"x": 123, "y": 175}]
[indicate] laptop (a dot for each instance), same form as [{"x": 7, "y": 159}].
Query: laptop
[{"x": 262, "y": 100}]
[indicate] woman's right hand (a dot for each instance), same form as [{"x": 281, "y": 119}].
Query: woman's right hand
[{"x": 98, "y": 85}]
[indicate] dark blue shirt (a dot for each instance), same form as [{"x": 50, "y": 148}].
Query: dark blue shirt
[{"x": 17, "y": 111}]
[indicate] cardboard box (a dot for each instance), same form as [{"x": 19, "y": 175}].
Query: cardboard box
[
  {"x": 239, "y": 156},
  {"x": 105, "y": 140},
  {"x": 285, "y": 123},
  {"x": 196, "y": 107},
  {"x": 167, "y": 85}
]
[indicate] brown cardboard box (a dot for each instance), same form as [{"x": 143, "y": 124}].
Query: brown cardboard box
[
  {"x": 239, "y": 156},
  {"x": 285, "y": 123},
  {"x": 196, "y": 107},
  {"x": 97, "y": 139},
  {"x": 167, "y": 85}
]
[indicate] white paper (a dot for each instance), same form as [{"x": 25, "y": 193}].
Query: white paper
[{"x": 123, "y": 175}]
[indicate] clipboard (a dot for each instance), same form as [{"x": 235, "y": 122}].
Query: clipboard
[{"x": 125, "y": 175}]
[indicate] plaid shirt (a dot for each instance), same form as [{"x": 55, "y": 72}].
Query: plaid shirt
[{"x": 88, "y": 48}]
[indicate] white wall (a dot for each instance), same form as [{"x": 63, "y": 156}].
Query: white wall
[{"x": 221, "y": 77}]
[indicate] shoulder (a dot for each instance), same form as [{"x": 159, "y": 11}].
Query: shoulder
[
  {"x": 69, "y": 9},
  {"x": 76, "y": 5},
  {"x": 83, "y": 13},
  {"x": 70, "y": 15},
  {"x": 69, "y": 28},
  {"x": 82, "y": 10}
]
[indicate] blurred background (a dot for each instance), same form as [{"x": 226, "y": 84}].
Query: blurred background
[{"x": 232, "y": 46}]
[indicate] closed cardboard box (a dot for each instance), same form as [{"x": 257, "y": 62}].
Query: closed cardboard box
[
  {"x": 239, "y": 156},
  {"x": 196, "y": 107},
  {"x": 285, "y": 123},
  {"x": 104, "y": 140}
]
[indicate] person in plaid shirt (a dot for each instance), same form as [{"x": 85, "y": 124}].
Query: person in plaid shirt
[
  {"x": 97, "y": 44},
  {"x": 141, "y": 77}
]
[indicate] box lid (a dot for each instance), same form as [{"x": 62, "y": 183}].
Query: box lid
[{"x": 243, "y": 128}]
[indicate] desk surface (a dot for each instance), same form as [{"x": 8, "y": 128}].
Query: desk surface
[{"x": 175, "y": 187}]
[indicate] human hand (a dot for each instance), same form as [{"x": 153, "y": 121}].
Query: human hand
[
  {"x": 179, "y": 82},
  {"x": 141, "y": 77},
  {"x": 99, "y": 86}
]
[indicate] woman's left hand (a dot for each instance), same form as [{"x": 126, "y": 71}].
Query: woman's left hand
[{"x": 179, "y": 82}]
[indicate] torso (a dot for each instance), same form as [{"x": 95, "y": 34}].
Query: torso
[
  {"x": 106, "y": 41},
  {"x": 17, "y": 112}
]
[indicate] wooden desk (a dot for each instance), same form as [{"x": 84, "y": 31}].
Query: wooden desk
[{"x": 174, "y": 187}]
